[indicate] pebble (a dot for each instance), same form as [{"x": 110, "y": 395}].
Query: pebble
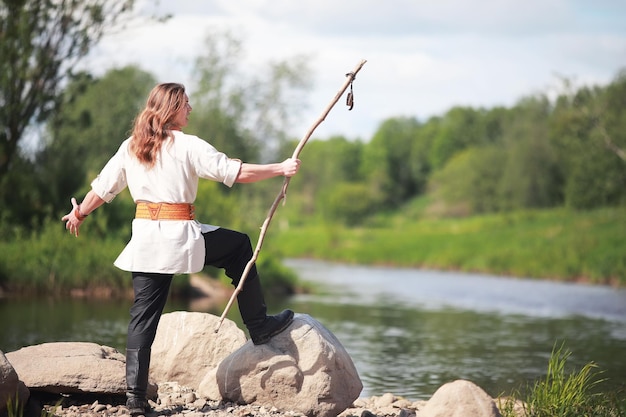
[{"x": 178, "y": 401}]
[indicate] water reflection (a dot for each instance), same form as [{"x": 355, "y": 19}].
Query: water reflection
[{"x": 28, "y": 322}]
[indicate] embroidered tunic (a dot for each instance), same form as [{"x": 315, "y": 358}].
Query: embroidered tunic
[{"x": 165, "y": 246}]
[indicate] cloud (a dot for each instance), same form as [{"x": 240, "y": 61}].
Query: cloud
[
  {"x": 423, "y": 57},
  {"x": 411, "y": 17}
]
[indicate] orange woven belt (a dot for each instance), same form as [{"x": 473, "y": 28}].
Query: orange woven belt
[{"x": 165, "y": 211}]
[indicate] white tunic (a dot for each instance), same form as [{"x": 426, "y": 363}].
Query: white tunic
[{"x": 165, "y": 246}]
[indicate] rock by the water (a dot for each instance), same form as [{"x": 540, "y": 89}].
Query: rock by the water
[
  {"x": 186, "y": 346},
  {"x": 460, "y": 399},
  {"x": 72, "y": 367},
  {"x": 303, "y": 369},
  {"x": 384, "y": 405},
  {"x": 11, "y": 388}
]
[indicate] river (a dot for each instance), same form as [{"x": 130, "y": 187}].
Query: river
[{"x": 408, "y": 331}]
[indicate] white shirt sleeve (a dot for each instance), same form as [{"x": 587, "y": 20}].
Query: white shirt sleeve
[
  {"x": 112, "y": 179},
  {"x": 212, "y": 164}
]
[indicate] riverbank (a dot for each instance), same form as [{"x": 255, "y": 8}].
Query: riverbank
[
  {"x": 559, "y": 244},
  {"x": 177, "y": 401}
]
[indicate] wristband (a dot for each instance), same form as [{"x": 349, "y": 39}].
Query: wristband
[{"x": 80, "y": 216}]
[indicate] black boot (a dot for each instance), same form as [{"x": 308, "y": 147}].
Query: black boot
[
  {"x": 271, "y": 326},
  {"x": 137, "y": 369},
  {"x": 254, "y": 313}
]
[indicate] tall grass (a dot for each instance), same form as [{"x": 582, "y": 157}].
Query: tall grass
[
  {"x": 15, "y": 408},
  {"x": 560, "y": 393},
  {"x": 563, "y": 394},
  {"x": 52, "y": 262}
]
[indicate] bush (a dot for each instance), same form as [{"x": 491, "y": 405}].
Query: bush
[{"x": 51, "y": 261}]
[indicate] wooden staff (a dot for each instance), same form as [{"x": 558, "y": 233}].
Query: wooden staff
[{"x": 283, "y": 191}]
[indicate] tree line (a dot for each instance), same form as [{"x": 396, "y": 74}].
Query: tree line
[
  {"x": 536, "y": 154},
  {"x": 539, "y": 153}
]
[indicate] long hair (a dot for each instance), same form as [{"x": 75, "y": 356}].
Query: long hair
[{"x": 152, "y": 125}]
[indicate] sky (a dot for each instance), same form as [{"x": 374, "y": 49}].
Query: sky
[{"x": 423, "y": 57}]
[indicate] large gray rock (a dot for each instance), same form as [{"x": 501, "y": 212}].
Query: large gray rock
[
  {"x": 460, "y": 399},
  {"x": 11, "y": 388},
  {"x": 303, "y": 369},
  {"x": 72, "y": 368},
  {"x": 186, "y": 346}
]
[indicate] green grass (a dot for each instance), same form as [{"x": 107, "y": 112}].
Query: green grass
[
  {"x": 15, "y": 408},
  {"x": 548, "y": 244},
  {"x": 563, "y": 394},
  {"x": 53, "y": 262}
]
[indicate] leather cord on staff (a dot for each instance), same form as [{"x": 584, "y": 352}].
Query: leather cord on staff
[{"x": 350, "y": 96}]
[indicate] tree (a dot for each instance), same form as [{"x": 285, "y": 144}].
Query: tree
[
  {"x": 468, "y": 183},
  {"x": 350, "y": 203},
  {"x": 610, "y": 116},
  {"x": 532, "y": 177},
  {"x": 243, "y": 114},
  {"x": 601, "y": 109},
  {"x": 387, "y": 160},
  {"x": 40, "y": 42},
  {"x": 328, "y": 165},
  {"x": 95, "y": 116},
  {"x": 588, "y": 128},
  {"x": 460, "y": 128},
  {"x": 419, "y": 158}
]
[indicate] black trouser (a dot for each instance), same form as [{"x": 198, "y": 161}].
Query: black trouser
[{"x": 225, "y": 248}]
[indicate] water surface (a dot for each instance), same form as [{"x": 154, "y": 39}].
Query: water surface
[{"x": 408, "y": 331}]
